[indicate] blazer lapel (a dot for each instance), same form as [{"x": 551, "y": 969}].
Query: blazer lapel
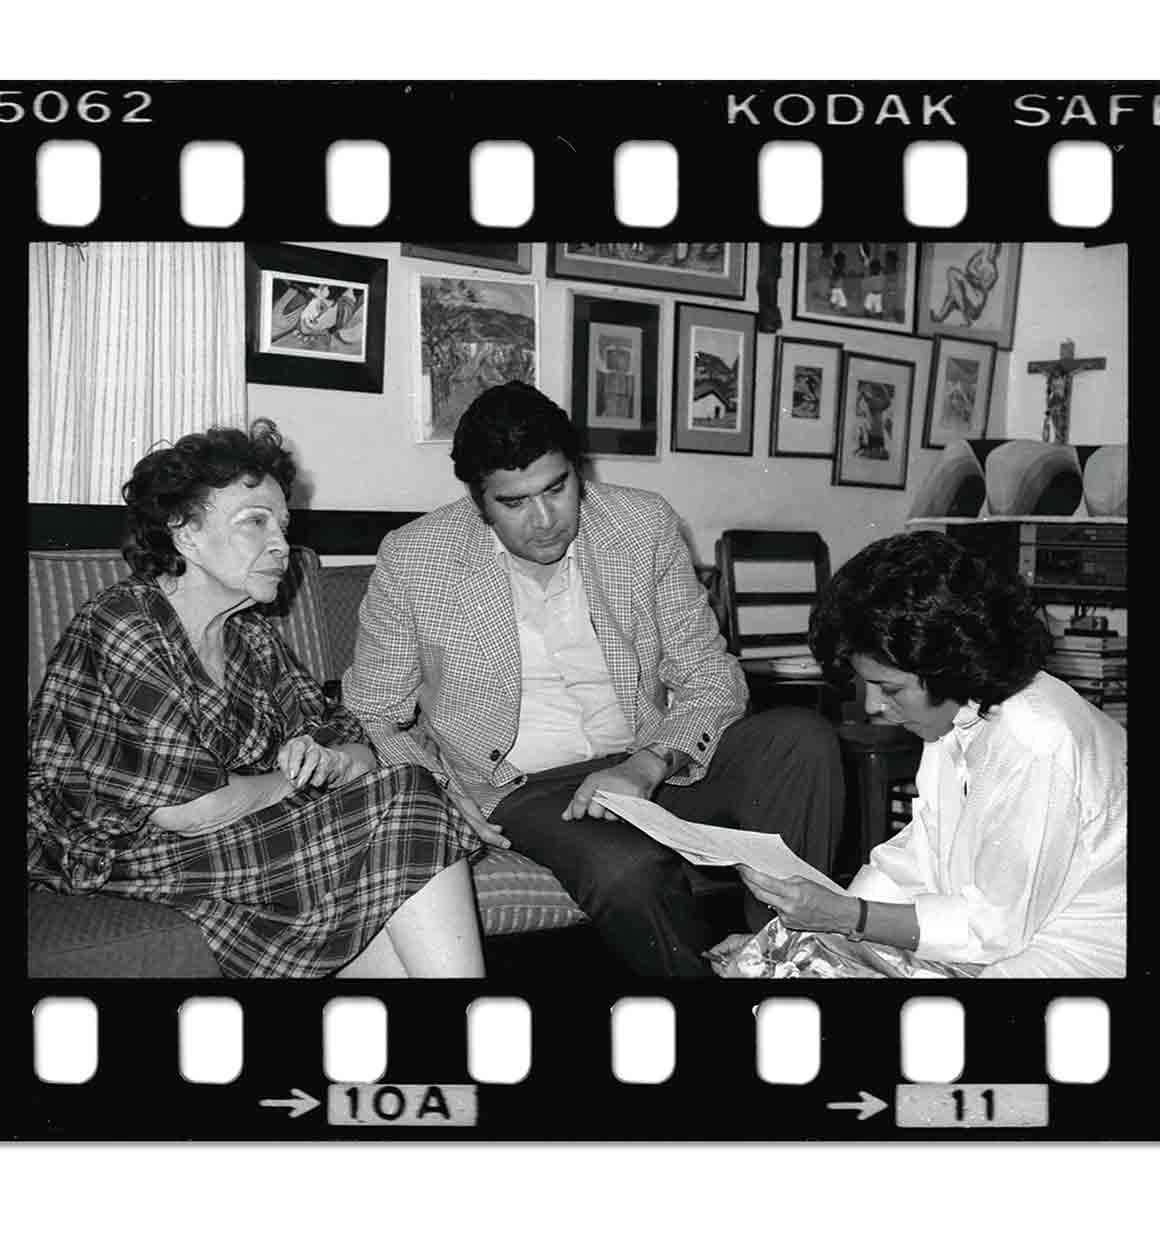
[
  {"x": 486, "y": 609},
  {"x": 608, "y": 571}
]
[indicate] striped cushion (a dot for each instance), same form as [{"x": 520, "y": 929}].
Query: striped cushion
[
  {"x": 59, "y": 582},
  {"x": 297, "y": 613},
  {"x": 516, "y": 895}
]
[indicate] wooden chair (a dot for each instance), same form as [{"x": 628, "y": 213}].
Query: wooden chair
[
  {"x": 767, "y": 612},
  {"x": 880, "y": 761}
]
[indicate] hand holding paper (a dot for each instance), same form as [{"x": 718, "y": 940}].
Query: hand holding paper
[{"x": 714, "y": 845}]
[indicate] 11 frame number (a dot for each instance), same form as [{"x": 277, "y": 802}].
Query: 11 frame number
[{"x": 971, "y": 1105}]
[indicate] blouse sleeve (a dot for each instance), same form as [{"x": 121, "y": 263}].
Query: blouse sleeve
[
  {"x": 110, "y": 740},
  {"x": 1012, "y": 857}
]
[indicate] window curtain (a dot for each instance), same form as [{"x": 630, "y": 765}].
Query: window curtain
[{"x": 130, "y": 343}]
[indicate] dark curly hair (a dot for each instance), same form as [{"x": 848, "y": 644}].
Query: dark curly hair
[
  {"x": 924, "y": 604},
  {"x": 509, "y": 427},
  {"x": 170, "y": 485}
]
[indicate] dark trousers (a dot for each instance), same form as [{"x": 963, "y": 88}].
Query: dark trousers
[{"x": 778, "y": 771}]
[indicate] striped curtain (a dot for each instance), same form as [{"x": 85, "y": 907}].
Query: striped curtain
[{"x": 129, "y": 343}]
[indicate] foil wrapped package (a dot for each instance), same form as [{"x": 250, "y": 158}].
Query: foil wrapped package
[{"x": 778, "y": 953}]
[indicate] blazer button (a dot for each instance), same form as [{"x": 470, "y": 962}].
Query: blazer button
[
  {"x": 495, "y": 754},
  {"x": 700, "y": 746},
  {"x": 705, "y": 736}
]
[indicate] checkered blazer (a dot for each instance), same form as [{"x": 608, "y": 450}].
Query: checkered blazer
[{"x": 436, "y": 673}]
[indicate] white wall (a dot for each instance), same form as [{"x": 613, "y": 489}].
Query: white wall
[
  {"x": 359, "y": 450},
  {"x": 1068, "y": 290}
]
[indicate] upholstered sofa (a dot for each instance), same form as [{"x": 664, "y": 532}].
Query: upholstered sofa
[{"x": 95, "y": 935}]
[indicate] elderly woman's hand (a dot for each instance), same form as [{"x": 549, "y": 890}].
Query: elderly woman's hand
[
  {"x": 802, "y": 904},
  {"x": 306, "y": 763}
]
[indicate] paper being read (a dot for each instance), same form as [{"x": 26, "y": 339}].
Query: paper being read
[{"x": 714, "y": 845}]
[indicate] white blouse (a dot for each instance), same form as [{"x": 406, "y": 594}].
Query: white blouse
[{"x": 1015, "y": 857}]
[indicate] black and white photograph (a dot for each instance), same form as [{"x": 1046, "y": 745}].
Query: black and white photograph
[{"x": 408, "y": 630}]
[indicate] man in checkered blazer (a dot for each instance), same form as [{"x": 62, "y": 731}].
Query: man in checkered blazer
[{"x": 543, "y": 638}]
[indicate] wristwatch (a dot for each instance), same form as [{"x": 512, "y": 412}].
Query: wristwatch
[{"x": 859, "y": 931}]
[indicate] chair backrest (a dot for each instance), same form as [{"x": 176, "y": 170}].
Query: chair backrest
[{"x": 774, "y": 575}]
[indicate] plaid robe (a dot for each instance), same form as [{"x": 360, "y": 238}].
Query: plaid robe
[{"x": 127, "y": 721}]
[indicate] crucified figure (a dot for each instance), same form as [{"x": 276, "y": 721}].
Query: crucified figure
[{"x": 969, "y": 287}]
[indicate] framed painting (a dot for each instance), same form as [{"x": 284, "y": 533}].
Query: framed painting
[
  {"x": 496, "y": 255},
  {"x": 958, "y": 393},
  {"x": 713, "y": 380},
  {"x": 315, "y": 318},
  {"x": 874, "y": 421},
  {"x": 706, "y": 268},
  {"x": 870, "y": 285},
  {"x": 970, "y": 289},
  {"x": 615, "y": 350},
  {"x": 472, "y": 334},
  {"x": 807, "y": 376}
]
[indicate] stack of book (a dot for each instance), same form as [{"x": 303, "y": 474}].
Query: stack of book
[{"x": 1095, "y": 664}]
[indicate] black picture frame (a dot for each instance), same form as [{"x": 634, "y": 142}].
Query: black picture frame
[
  {"x": 494, "y": 255},
  {"x": 634, "y": 328},
  {"x": 694, "y": 431},
  {"x": 805, "y": 441},
  {"x": 623, "y": 269},
  {"x": 882, "y": 460},
  {"x": 268, "y": 262},
  {"x": 854, "y": 284},
  {"x": 975, "y": 285},
  {"x": 938, "y": 390}
]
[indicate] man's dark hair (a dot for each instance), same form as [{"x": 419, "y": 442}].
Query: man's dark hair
[
  {"x": 170, "y": 486},
  {"x": 509, "y": 427},
  {"x": 924, "y": 604}
]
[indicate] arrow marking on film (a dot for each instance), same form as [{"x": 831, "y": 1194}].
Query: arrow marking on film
[
  {"x": 298, "y": 1103},
  {"x": 867, "y": 1105}
]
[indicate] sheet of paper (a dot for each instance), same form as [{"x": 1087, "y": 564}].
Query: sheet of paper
[{"x": 714, "y": 845}]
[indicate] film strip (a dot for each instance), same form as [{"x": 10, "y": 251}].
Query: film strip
[{"x": 566, "y": 138}]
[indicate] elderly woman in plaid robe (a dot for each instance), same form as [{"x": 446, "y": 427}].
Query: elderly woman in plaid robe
[{"x": 178, "y": 752}]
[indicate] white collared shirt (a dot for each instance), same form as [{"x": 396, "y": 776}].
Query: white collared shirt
[
  {"x": 568, "y": 707},
  {"x": 1015, "y": 857}
]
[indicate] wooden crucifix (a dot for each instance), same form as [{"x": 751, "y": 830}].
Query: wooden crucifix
[{"x": 1059, "y": 371}]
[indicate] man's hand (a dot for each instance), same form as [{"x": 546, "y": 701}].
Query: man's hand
[
  {"x": 802, "y": 904},
  {"x": 307, "y": 763},
  {"x": 640, "y": 775},
  {"x": 489, "y": 832}
]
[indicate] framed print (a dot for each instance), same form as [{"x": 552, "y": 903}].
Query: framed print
[
  {"x": 969, "y": 289},
  {"x": 498, "y": 255},
  {"x": 315, "y": 318},
  {"x": 865, "y": 284},
  {"x": 615, "y": 348},
  {"x": 807, "y": 376},
  {"x": 713, "y": 380},
  {"x": 958, "y": 393},
  {"x": 874, "y": 421},
  {"x": 707, "y": 268},
  {"x": 472, "y": 334}
]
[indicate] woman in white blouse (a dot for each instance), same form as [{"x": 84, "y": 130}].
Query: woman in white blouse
[{"x": 1013, "y": 864}]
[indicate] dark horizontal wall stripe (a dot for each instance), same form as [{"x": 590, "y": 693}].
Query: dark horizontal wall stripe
[
  {"x": 337, "y": 532},
  {"x": 75, "y": 526},
  {"x": 83, "y": 526}
]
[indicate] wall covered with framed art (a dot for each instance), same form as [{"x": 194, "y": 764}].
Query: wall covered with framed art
[{"x": 611, "y": 353}]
